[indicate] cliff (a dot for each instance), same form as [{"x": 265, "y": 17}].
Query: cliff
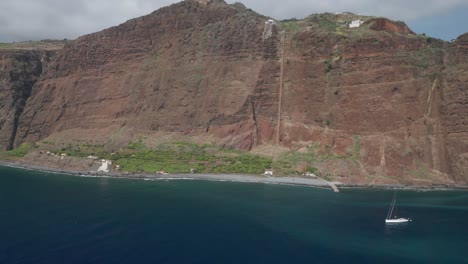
[
  {"x": 186, "y": 67},
  {"x": 379, "y": 103},
  {"x": 20, "y": 69}
]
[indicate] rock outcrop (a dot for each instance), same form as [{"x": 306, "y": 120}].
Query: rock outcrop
[
  {"x": 384, "y": 24},
  {"x": 383, "y": 108},
  {"x": 18, "y": 73}
]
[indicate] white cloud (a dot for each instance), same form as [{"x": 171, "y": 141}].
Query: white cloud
[
  {"x": 39, "y": 19},
  {"x": 395, "y": 9}
]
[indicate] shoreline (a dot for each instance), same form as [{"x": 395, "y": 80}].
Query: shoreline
[{"x": 242, "y": 178}]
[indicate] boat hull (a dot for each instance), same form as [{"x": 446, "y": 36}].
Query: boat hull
[{"x": 398, "y": 220}]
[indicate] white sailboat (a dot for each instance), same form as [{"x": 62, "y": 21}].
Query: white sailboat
[{"x": 394, "y": 220}]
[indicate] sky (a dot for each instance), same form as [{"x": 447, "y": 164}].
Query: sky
[{"x": 22, "y": 20}]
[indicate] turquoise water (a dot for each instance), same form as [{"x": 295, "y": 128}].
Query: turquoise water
[{"x": 47, "y": 218}]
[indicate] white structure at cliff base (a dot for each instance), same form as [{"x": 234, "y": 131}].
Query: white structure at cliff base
[{"x": 105, "y": 165}]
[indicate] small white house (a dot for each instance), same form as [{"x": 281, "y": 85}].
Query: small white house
[
  {"x": 268, "y": 172},
  {"x": 270, "y": 21},
  {"x": 105, "y": 165},
  {"x": 356, "y": 23}
]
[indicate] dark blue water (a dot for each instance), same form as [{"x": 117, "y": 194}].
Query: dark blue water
[{"x": 47, "y": 218}]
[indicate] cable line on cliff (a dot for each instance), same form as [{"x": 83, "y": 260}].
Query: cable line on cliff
[{"x": 280, "y": 94}]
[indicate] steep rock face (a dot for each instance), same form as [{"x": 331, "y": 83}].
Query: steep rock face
[
  {"x": 454, "y": 109},
  {"x": 186, "y": 67},
  {"x": 18, "y": 73},
  {"x": 388, "y": 25},
  {"x": 372, "y": 97},
  {"x": 382, "y": 107}
]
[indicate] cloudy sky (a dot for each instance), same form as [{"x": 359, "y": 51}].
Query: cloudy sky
[{"x": 57, "y": 19}]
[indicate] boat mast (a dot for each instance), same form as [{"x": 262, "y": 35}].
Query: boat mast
[{"x": 390, "y": 212}]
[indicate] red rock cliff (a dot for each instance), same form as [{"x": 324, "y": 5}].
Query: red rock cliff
[
  {"x": 20, "y": 69},
  {"x": 187, "y": 67},
  {"x": 388, "y": 105}
]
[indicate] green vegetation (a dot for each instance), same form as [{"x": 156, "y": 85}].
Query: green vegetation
[
  {"x": 184, "y": 157},
  {"x": 290, "y": 20},
  {"x": 181, "y": 157},
  {"x": 332, "y": 62},
  {"x": 288, "y": 163},
  {"x": 6, "y": 46},
  {"x": 33, "y": 45},
  {"x": 327, "y": 25},
  {"x": 18, "y": 152},
  {"x": 290, "y": 25},
  {"x": 78, "y": 150},
  {"x": 357, "y": 146},
  {"x": 328, "y": 65},
  {"x": 136, "y": 146},
  {"x": 362, "y": 32},
  {"x": 424, "y": 58},
  {"x": 311, "y": 169}
]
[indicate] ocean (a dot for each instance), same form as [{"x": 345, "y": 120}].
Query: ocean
[{"x": 52, "y": 218}]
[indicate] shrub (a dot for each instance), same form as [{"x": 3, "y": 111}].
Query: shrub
[{"x": 20, "y": 151}]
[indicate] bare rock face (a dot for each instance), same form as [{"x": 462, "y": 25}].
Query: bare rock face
[
  {"x": 20, "y": 69},
  {"x": 185, "y": 68},
  {"x": 384, "y": 108},
  {"x": 462, "y": 41},
  {"x": 384, "y": 24},
  {"x": 453, "y": 98}
]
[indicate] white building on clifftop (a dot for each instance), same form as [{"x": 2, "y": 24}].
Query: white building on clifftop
[{"x": 356, "y": 23}]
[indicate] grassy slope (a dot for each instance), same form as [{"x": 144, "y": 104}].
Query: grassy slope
[
  {"x": 181, "y": 157},
  {"x": 34, "y": 45}
]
